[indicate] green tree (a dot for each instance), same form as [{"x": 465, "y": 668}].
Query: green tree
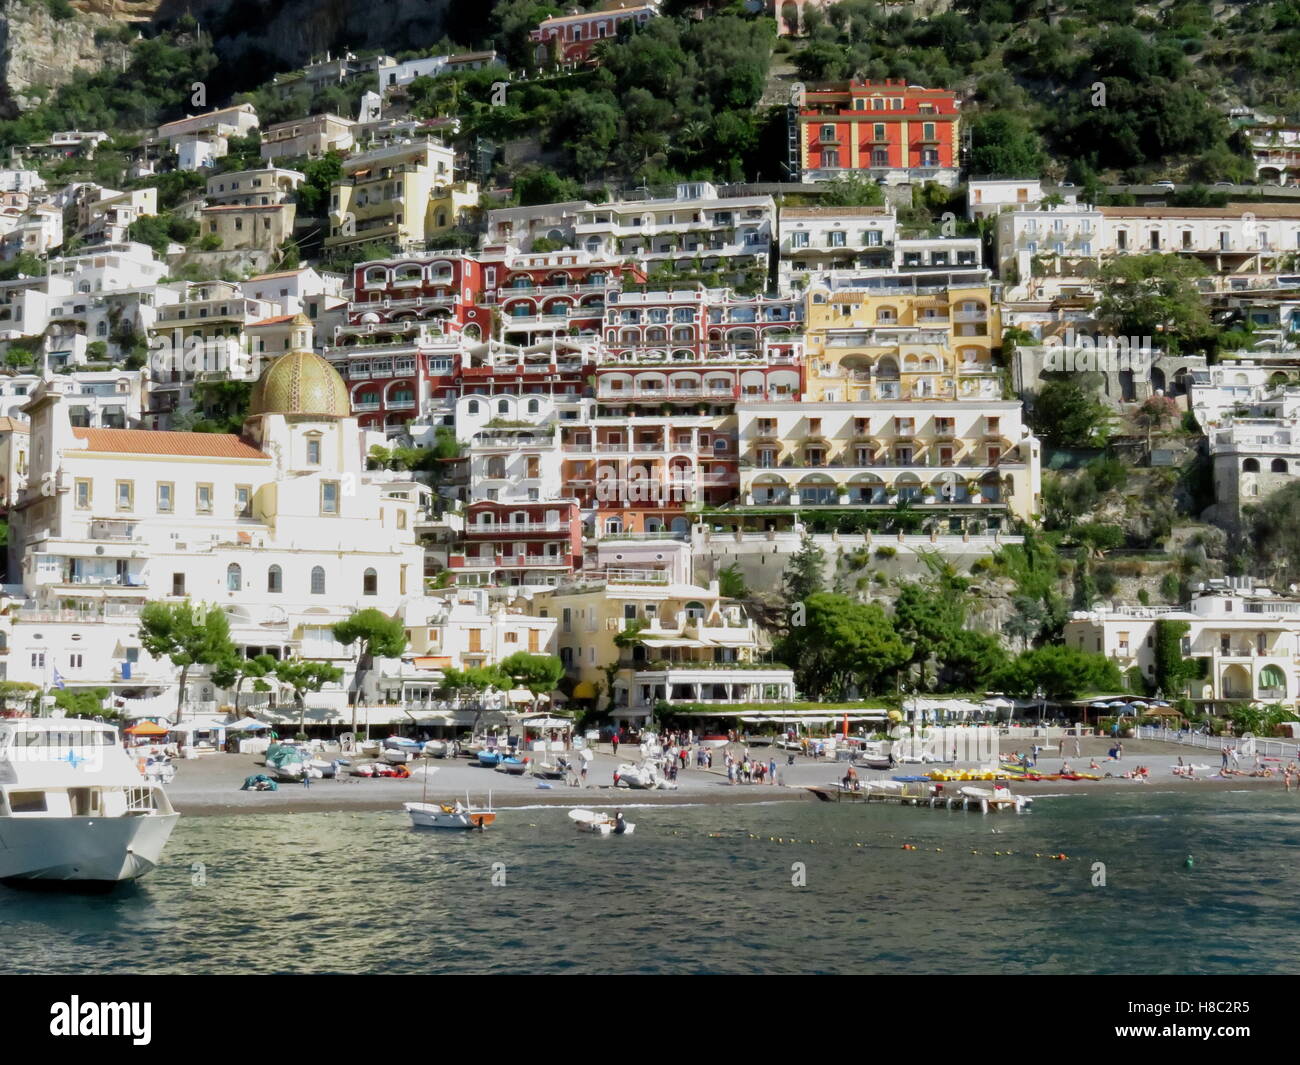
[
  {"x": 731, "y": 582},
  {"x": 231, "y": 673},
  {"x": 188, "y": 634},
  {"x": 803, "y": 575},
  {"x": 83, "y": 702},
  {"x": 538, "y": 673},
  {"x": 378, "y": 635},
  {"x": 841, "y": 645},
  {"x": 303, "y": 676},
  {"x": 1066, "y": 413},
  {"x": 1004, "y": 145},
  {"x": 1063, "y": 672},
  {"x": 1153, "y": 296}
]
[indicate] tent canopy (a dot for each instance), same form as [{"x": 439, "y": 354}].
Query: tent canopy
[
  {"x": 246, "y": 724},
  {"x": 146, "y": 728}
]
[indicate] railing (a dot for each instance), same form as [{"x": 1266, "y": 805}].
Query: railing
[
  {"x": 503, "y": 528},
  {"x": 1263, "y": 747}
]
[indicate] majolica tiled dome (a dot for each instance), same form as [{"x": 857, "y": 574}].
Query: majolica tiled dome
[{"x": 300, "y": 382}]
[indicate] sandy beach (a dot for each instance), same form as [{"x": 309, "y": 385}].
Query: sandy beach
[{"x": 209, "y": 785}]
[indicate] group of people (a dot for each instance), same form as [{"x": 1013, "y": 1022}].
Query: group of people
[{"x": 751, "y": 771}]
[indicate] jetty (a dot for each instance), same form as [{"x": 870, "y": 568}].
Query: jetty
[{"x": 924, "y": 794}]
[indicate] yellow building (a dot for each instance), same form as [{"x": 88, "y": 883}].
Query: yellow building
[
  {"x": 927, "y": 335},
  {"x": 693, "y": 646},
  {"x": 403, "y": 194}
]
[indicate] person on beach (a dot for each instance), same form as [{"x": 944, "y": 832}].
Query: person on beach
[
  {"x": 771, "y": 770},
  {"x": 614, "y": 741},
  {"x": 731, "y": 770},
  {"x": 1223, "y": 757},
  {"x": 1077, "y": 754}
]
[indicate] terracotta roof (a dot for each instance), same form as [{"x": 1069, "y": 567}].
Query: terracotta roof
[
  {"x": 13, "y": 425},
  {"x": 1232, "y": 210},
  {"x": 157, "y": 442},
  {"x": 275, "y": 320}
]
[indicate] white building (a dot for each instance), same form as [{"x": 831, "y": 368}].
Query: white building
[
  {"x": 1248, "y": 638},
  {"x": 695, "y": 229},
  {"x": 253, "y": 188},
  {"x": 281, "y": 527},
  {"x": 991, "y": 196}
]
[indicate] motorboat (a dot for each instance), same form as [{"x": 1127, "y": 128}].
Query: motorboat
[
  {"x": 514, "y": 766},
  {"x": 370, "y": 748},
  {"x": 600, "y": 824},
  {"x": 490, "y": 757},
  {"x": 448, "y": 815},
  {"x": 74, "y": 807},
  {"x": 434, "y": 749},
  {"x": 288, "y": 762}
]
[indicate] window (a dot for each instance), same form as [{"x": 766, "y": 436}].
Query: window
[
  {"x": 166, "y": 497},
  {"x": 329, "y": 497},
  {"x": 274, "y": 580},
  {"x": 313, "y": 451},
  {"x": 203, "y": 498},
  {"x": 799, "y": 240},
  {"x": 38, "y": 660},
  {"x": 83, "y": 494},
  {"x": 125, "y": 495},
  {"x": 828, "y": 133},
  {"x": 74, "y": 661},
  {"x": 836, "y": 238},
  {"x": 318, "y": 580},
  {"x": 243, "y": 500},
  {"x": 234, "y": 578},
  {"x": 370, "y": 583}
]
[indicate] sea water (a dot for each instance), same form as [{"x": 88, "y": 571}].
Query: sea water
[{"x": 783, "y": 887}]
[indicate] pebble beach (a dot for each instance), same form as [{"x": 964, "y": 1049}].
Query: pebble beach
[{"x": 209, "y": 785}]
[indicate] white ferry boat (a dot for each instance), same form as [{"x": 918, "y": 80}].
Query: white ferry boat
[{"x": 74, "y": 807}]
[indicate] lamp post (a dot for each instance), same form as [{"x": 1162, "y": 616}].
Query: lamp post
[{"x": 1041, "y": 697}]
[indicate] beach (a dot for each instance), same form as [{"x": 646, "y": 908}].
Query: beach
[{"x": 209, "y": 785}]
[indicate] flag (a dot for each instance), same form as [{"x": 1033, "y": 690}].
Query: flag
[{"x": 58, "y": 678}]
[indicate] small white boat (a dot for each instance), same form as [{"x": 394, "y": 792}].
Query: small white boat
[
  {"x": 448, "y": 815},
  {"x": 370, "y": 748},
  {"x": 394, "y": 755},
  {"x": 434, "y": 749},
  {"x": 600, "y": 824}
]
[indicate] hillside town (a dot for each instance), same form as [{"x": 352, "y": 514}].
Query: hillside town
[{"x": 354, "y": 418}]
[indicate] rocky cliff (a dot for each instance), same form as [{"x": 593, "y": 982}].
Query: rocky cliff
[{"x": 45, "y": 43}]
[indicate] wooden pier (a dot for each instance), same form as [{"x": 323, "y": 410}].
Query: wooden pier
[{"x": 918, "y": 793}]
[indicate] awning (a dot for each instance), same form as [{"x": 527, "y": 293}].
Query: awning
[
  {"x": 146, "y": 728},
  {"x": 519, "y": 695},
  {"x": 431, "y": 662},
  {"x": 673, "y": 641},
  {"x": 584, "y": 690}
]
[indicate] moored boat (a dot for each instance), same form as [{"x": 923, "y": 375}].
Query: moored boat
[
  {"x": 448, "y": 815},
  {"x": 73, "y": 806}
]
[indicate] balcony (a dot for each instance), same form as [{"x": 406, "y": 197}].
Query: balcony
[
  {"x": 510, "y": 562},
  {"x": 508, "y": 529}
]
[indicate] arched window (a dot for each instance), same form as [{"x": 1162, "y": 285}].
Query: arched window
[
  {"x": 1250, "y": 466},
  {"x": 274, "y": 579},
  {"x": 370, "y": 583},
  {"x": 503, "y": 406},
  {"x": 318, "y": 580},
  {"x": 471, "y": 407},
  {"x": 1277, "y": 466},
  {"x": 533, "y": 406},
  {"x": 234, "y": 578},
  {"x": 1272, "y": 677}
]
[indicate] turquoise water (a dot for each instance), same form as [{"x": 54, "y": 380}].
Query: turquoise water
[{"x": 702, "y": 889}]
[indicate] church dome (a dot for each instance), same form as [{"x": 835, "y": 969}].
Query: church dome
[{"x": 303, "y": 383}]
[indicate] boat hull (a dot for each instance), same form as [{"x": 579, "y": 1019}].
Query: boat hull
[
  {"x": 429, "y": 815},
  {"x": 93, "y": 850}
]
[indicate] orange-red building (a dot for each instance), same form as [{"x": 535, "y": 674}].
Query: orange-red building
[
  {"x": 888, "y": 130},
  {"x": 571, "y": 38}
]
